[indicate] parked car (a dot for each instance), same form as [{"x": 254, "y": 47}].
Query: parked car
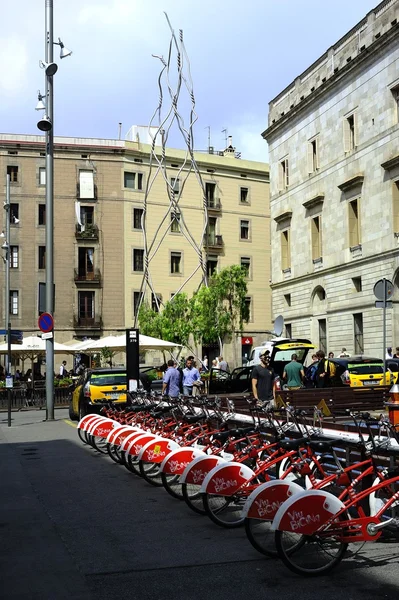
[
  {"x": 97, "y": 386},
  {"x": 284, "y": 346},
  {"x": 363, "y": 371},
  {"x": 239, "y": 380}
]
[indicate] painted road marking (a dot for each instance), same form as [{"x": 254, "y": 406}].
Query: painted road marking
[{"x": 68, "y": 422}]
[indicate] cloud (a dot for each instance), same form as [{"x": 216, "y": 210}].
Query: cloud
[
  {"x": 13, "y": 65},
  {"x": 248, "y": 140},
  {"x": 112, "y": 13}
]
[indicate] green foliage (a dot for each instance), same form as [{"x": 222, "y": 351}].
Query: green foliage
[
  {"x": 220, "y": 309},
  {"x": 213, "y": 313},
  {"x": 64, "y": 382},
  {"x": 107, "y": 354},
  {"x": 172, "y": 324}
]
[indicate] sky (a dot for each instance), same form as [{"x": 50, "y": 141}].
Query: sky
[{"x": 242, "y": 54}]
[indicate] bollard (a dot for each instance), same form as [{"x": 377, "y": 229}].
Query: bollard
[{"x": 393, "y": 405}]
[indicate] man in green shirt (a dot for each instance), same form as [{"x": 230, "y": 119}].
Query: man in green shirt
[{"x": 294, "y": 373}]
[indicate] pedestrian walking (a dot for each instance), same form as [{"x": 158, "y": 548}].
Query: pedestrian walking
[
  {"x": 190, "y": 374},
  {"x": 171, "y": 381},
  {"x": 343, "y": 354},
  {"x": 63, "y": 370},
  {"x": 294, "y": 373},
  {"x": 223, "y": 366},
  {"x": 263, "y": 378}
]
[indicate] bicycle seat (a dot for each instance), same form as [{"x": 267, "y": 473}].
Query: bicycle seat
[
  {"x": 222, "y": 436},
  {"x": 193, "y": 418},
  {"x": 323, "y": 445},
  {"x": 292, "y": 444}
]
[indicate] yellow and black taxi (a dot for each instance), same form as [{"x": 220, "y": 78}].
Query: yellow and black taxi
[
  {"x": 363, "y": 371},
  {"x": 96, "y": 387}
]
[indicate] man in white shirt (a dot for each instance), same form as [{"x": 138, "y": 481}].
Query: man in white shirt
[{"x": 63, "y": 369}]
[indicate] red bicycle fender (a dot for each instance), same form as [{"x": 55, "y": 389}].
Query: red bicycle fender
[
  {"x": 103, "y": 429},
  {"x": 306, "y": 512},
  {"x": 136, "y": 446},
  {"x": 177, "y": 461},
  {"x": 83, "y": 423},
  {"x": 225, "y": 479},
  {"x": 266, "y": 499},
  {"x": 117, "y": 435},
  {"x": 198, "y": 469},
  {"x": 129, "y": 439},
  {"x": 93, "y": 424},
  {"x": 156, "y": 450}
]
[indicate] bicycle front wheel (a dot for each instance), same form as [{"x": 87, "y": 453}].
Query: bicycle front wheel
[
  {"x": 310, "y": 555},
  {"x": 261, "y": 536},
  {"x": 193, "y": 497}
]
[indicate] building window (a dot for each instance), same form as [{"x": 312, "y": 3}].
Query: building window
[
  {"x": 156, "y": 300},
  {"x": 133, "y": 181},
  {"x": 138, "y": 218},
  {"x": 14, "y": 256},
  {"x": 350, "y": 132},
  {"x": 316, "y": 238},
  {"x": 137, "y": 301},
  {"x": 283, "y": 174},
  {"x": 358, "y": 333},
  {"x": 354, "y": 223},
  {"x": 86, "y": 308},
  {"x": 395, "y": 94},
  {"x": 323, "y": 335},
  {"x": 211, "y": 265},
  {"x": 245, "y": 263},
  {"x": 138, "y": 259},
  {"x": 313, "y": 155},
  {"x": 175, "y": 221},
  {"x": 357, "y": 283},
  {"x": 86, "y": 184},
  {"x": 42, "y": 214},
  {"x": 86, "y": 215},
  {"x": 14, "y": 302},
  {"x": 12, "y": 171},
  {"x": 244, "y": 195},
  {"x": 244, "y": 230},
  {"x": 175, "y": 262},
  {"x": 175, "y": 183},
  {"x": 42, "y": 257},
  {"x": 14, "y": 213},
  {"x": 42, "y": 176},
  {"x": 287, "y": 298},
  {"x": 395, "y": 206},
  {"x": 86, "y": 263},
  {"x": 210, "y": 189},
  {"x": 248, "y": 316},
  {"x": 288, "y": 331},
  {"x": 285, "y": 250}
]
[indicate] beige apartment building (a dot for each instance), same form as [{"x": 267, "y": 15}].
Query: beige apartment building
[
  {"x": 333, "y": 138},
  {"x": 99, "y": 197}
]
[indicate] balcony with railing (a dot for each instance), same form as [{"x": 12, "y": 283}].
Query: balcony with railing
[
  {"x": 214, "y": 242},
  {"x": 87, "y": 323},
  {"x": 213, "y": 204},
  {"x": 88, "y": 232},
  {"x": 88, "y": 278}
]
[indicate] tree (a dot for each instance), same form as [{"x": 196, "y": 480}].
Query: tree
[{"x": 219, "y": 310}]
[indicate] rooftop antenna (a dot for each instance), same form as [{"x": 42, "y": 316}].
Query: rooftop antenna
[
  {"x": 208, "y": 127},
  {"x": 120, "y": 131},
  {"x": 225, "y": 136}
]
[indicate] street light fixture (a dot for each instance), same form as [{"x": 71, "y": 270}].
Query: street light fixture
[
  {"x": 46, "y": 124},
  {"x": 40, "y": 104}
]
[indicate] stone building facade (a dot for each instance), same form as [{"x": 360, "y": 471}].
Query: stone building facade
[
  {"x": 333, "y": 146},
  {"x": 99, "y": 188}
]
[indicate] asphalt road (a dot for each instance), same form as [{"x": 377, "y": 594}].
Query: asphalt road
[{"x": 76, "y": 526}]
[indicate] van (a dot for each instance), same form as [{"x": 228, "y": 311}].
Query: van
[{"x": 281, "y": 349}]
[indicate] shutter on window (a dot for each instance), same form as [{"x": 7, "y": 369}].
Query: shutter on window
[
  {"x": 395, "y": 206},
  {"x": 347, "y": 134},
  {"x": 310, "y": 157},
  {"x": 86, "y": 183},
  {"x": 288, "y": 248},
  {"x": 355, "y": 129},
  {"x": 280, "y": 176}
]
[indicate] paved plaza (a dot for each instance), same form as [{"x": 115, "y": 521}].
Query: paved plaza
[{"x": 74, "y": 525}]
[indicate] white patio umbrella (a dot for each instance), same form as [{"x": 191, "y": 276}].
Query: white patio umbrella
[
  {"x": 118, "y": 343},
  {"x": 32, "y": 346}
]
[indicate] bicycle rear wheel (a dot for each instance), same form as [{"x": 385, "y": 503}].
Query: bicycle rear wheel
[
  {"x": 261, "y": 536},
  {"x": 310, "y": 555},
  {"x": 225, "y": 511},
  {"x": 193, "y": 497},
  {"x": 150, "y": 472},
  {"x": 172, "y": 485}
]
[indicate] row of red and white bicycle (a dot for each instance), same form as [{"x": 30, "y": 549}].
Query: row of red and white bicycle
[{"x": 292, "y": 504}]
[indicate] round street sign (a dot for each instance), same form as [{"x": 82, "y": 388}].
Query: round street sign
[
  {"x": 46, "y": 322},
  {"x": 383, "y": 289}
]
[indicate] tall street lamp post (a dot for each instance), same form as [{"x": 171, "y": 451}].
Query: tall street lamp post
[
  {"x": 7, "y": 258},
  {"x": 46, "y": 124}
]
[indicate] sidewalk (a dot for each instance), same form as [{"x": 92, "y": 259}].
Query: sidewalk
[{"x": 74, "y": 525}]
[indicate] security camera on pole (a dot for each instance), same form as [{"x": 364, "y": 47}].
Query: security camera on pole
[{"x": 46, "y": 124}]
